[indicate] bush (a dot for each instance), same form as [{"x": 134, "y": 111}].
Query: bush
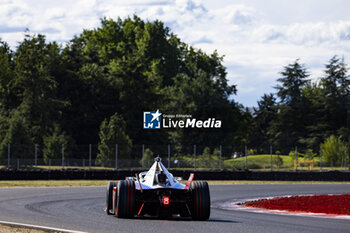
[
  {"x": 204, "y": 160},
  {"x": 333, "y": 149},
  {"x": 207, "y": 159},
  {"x": 148, "y": 157},
  {"x": 309, "y": 154},
  {"x": 277, "y": 160},
  {"x": 252, "y": 152},
  {"x": 53, "y": 145},
  {"x": 216, "y": 152},
  {"x": 293, "y": 155}
]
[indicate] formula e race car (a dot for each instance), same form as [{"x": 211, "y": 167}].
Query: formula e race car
[{"x": 157, "y": 193}]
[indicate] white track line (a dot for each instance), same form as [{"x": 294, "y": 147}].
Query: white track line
[
  {"x": 239, "y": 205},
  {"x": 39, "y": 227}
]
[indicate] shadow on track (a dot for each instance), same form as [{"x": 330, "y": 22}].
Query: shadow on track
[{"x": 183, "y": 219}]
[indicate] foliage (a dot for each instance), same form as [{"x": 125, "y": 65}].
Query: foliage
[
  {"x": 251, "y": 151},
  {"x": 309, "y": 154},
  {"x": 127, "y": 66},
  {"x": 6, "y": 75},
  {"x": 290, "y": 124},
  {"x": 112, "y": 132},
  {"x": 295, "y": 155},
  {"x": 307, "y": 112},
  {"x": 34, "y": 87},
  {"x": 206, "y": 153},
  {"x": 54, "y": 143},
  {"x": 264, "y": 116},
  {"x": 216, "y": 152},
  {"x": 206, "y": 159},
  {"x": 333, "y": 149},
  {"x": 148, "y": 157},
  {"x": 277, "y": 160},
  {"x": 18, "y": 137}
]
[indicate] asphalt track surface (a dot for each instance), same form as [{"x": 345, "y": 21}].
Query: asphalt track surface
[{"x": 82, "y": 209}]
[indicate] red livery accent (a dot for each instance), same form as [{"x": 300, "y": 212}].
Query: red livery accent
[
  {"x": 141, "y": 209},
  {"x": 189, "y": 181}
]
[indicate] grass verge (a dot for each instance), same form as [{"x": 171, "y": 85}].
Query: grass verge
[
  {"x": 51, "y": 183},
  {"x": 6, "y": 229}
]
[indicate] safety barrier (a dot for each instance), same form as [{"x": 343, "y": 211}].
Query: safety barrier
[{"x": 75, "y": 174}]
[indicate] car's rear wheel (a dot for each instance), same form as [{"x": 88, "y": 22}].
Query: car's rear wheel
[
  {"x": 125, "y": 199},
  {"x": 109, "y": 196},
  {"x": 200, "y": 205}
]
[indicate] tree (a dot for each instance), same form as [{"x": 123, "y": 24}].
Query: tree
[
  {"x": 6, "y": 76},
  {"x": 6, "y": 95},
  {"x": 290, "y": 126},
  {"x": 317, "y": 125},
  {"x": 126, "y": 66},
  {"x": 112, "y": 132},
  {"x": 264, "y": 116},
  {"x": 294, "y": 78},
  {"x": 91, "y": 99},
  {"x": 201, "y": 89},
  {"x": 53, "y": 144},
  {"x": 34, "y": 87},
  {"x": 18, "y": 137},
  {"x": 147, "y": 67},
  {"x": 336, "y": 97}
]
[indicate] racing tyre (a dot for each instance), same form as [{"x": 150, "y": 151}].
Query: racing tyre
[
  {"x": 109, "y": 196},
  {"x": 200, "y": 206},
  {"x": 125, "y": 204}
]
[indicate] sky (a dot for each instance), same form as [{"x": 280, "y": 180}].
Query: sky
[{"x": 256, "y": 37}]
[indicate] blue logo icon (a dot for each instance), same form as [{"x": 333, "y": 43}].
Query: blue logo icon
[{"x": 151, "y": 120}]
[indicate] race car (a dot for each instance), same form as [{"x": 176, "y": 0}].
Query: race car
[{"x": 157, "y": 193}]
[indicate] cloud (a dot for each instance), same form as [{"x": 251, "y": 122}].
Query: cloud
[
  {"x": 304, "y": 33},
  {"x": 6, "y": 29},
  {"x": 203, "y": 40},
  {"x": 237, "y": 14},
  {"x": 257, "y": 38}
]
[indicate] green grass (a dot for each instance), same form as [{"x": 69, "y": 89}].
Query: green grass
[
  {"x": 73, "y": 167},
  {"x": 261, "y": 162},
  {"x": 51, "y": 183}
]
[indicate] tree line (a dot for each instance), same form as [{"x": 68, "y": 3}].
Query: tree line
[
  {"x": 302, "y": 112},
  {"x": 95, "y": 88}
]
